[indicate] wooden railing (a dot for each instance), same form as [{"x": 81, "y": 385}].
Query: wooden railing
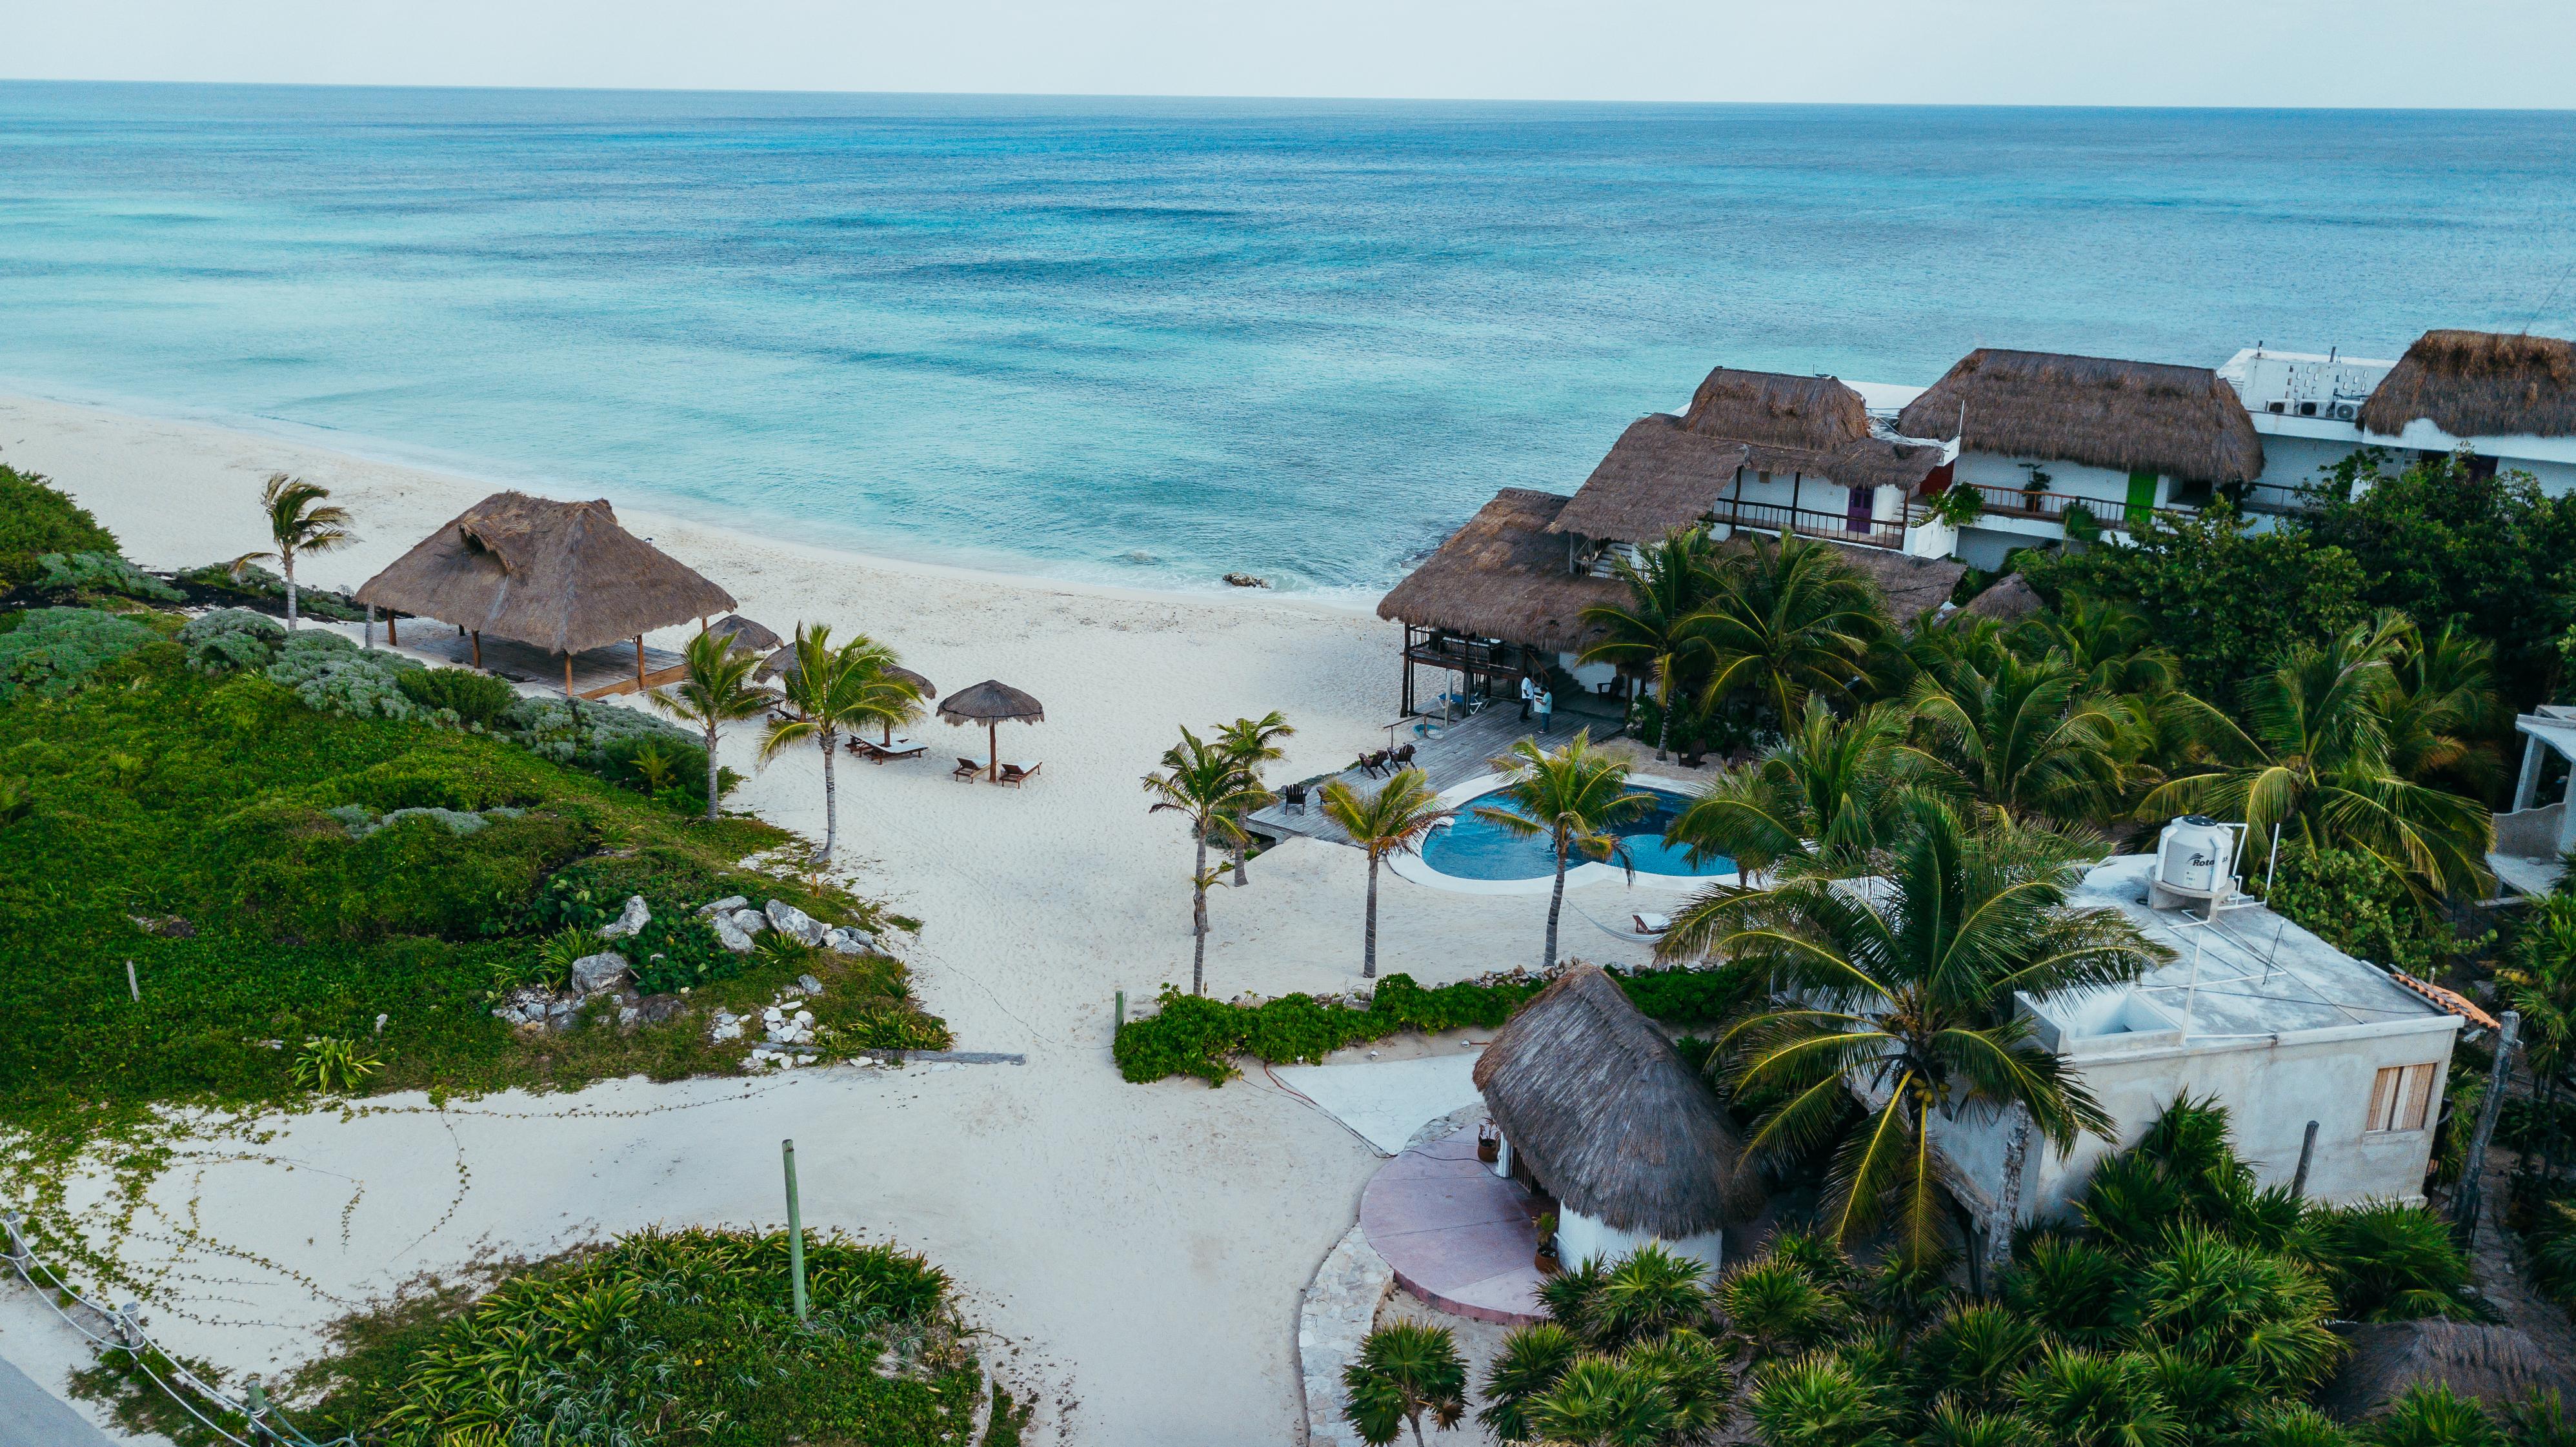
[
  {"x": 1837, "y": 527},
  {"x": 2014, "y": 502}
]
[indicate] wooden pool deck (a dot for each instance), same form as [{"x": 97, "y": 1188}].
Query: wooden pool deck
[{"x": 1462, "y": 751}]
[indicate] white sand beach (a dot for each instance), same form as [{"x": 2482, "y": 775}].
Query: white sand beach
[{"x": 1140, "y": 1249}]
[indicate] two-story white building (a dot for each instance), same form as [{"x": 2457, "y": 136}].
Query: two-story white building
[
  {"x": 2508, "y": 399},
  {"x": 2041, "y": 434}
]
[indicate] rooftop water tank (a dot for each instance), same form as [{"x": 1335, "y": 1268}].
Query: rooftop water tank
[{"x": 2195, "y": 861}]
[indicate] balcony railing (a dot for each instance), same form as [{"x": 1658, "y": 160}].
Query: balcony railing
[
  {"x": 1809, "y": 523},
  {"x": 2014, "y": 502}
]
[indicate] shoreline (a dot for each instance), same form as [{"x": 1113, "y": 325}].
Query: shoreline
[{"x": 23, "y": 403}]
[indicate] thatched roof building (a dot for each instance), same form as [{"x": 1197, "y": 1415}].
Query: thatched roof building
[
  {"x": 1667, "y": 472},
  {"x": 1504, "y": 575},
  {"x": 1610, "y": 1118},
  {"x": 2009, "y": 601},
  {"x": 2479, "y": 384},
  {"x": 562, "y": 576},
  {"x": 1911, "y": 585},
  {"x": 2495, "y": 1364},
  {"x": 1775, "y": 409},
  {"x": 2127, "y": 416}
]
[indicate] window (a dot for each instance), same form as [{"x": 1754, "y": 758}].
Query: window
[{"x": 2399, "y": 1096}]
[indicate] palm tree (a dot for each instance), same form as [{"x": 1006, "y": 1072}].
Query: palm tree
[
  {"x": 1392, "y": 821},
  {"x": 2443, "y": 710},
  {"x": 2541, "y": 983},
  {"x": 1574, "y": 796},
  {"x": 2109, "y": 643},
  {"x": 1253, "y": 742},
  {"x": 2021, "y": 738},
  {"x": 1204, "y": 782},
  {"x": 1789, "y": 621},
  {"x": 829, "y": 692},
  {"x": 1825, "y": 799},
  {"x": 1404, "y": 1370},
  {"x": 2318, "y": 759},
  {"x": 1667, "y": 582},
  {"x": 1902, "y": 996},
  {"x": 300, "y": 520},
  {"x": 716, "y": 690}
]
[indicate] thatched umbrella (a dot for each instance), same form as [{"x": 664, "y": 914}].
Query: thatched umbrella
[
  {"x": 989, "y": 703},
  {"x": 2493, "y": 1363},
  {"x": 782, "y": 665},
  {"x": 746, "y": 635}
]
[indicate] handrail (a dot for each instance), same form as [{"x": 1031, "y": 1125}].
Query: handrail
[
  {"x": 1832, "y": 526},
  {"x": 2051, "y": 506},
  {"x": 266, "y": 1422}
]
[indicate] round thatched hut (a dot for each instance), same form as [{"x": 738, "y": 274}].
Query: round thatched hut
[
  {"x": 2496, "y": 1364},
  {"x": 1607, "y": 1117}
]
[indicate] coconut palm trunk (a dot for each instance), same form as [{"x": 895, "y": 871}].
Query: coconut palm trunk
[
  {"x": 831, "y": 799},
  {"x": 711, "y": 773},
  {"x": 1664, "y": 696},
  {"x": 1555, "y": 903},
  {"x": 1198, "y": 921},
  {"x": 286, "y": 562},
  {"x": 1368, "y": 939}
]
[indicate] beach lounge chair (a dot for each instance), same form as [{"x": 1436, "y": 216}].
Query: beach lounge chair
[
  {"x": 1652, "y": 924},
  {"x": 898, "y": 747},
  {"x": 1402, "y": 758},
  {"x": 966, "y": 768},
  {"x": 1293, "y": 798},
  {"x": 1019, "y": 773}
]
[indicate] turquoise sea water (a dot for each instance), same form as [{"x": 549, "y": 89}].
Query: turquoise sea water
[{"x": 1157, "y": 341}]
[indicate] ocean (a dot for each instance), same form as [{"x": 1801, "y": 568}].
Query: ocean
[{"x": 1156, "y": 341}]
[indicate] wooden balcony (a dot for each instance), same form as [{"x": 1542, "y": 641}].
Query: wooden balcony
[
  {"x": 1834, "y": 527},
  {"x": 2015, "y": 502}
]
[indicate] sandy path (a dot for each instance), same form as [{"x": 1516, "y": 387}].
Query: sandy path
[{"x": 1142, "y": 1247}]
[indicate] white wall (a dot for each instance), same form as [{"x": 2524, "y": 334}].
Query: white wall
[
  {"x": 2271, "y": 1090},
  {"x": 1579, "y": 1238}
]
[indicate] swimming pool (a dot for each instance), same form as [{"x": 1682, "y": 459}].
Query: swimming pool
[{"x": 1473, "y": 848}]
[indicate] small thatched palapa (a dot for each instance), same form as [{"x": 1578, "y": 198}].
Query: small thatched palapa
[
  {"x": 2495, "y": 1364},
  {"x": 1609, "y": 1116},
  {"x": 1774, "y": 409},
  {"x": 1911, "y": 585},
  {"x": 2479, "y": 384},
  {"x": 748, "y": 636},
  {"x": 2126, "y": 416},
  {"x": 2009, "y": 601},
  {"x": 1503, "y": 575},
  {"x": 562, "y": 576}
]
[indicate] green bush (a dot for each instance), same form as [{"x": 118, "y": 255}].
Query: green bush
[
  {"x": 254, "y": 581},
  {"x": 35, "y": 519},
  {"x": 658, "y": 1339},
  {"x": 92, "y": 573},
  {"x": 52, "y": 650},
  {"x": 477, "y": 699},
  {"x": 2359, "y": 905},
  {"x": 332, "y": 674},
  {"x": 1194, "y": 1035},
  {"x": 230, "y": 638}
]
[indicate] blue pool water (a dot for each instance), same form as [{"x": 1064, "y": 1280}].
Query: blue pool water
[
  {"x": 1154, "y": 341},
  {"x": 1473, "y": 848}
]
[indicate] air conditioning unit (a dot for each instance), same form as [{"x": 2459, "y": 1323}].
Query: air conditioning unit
[
  {"x": 2307, "y": 409},
  {"x": 2347, "y": 411}
]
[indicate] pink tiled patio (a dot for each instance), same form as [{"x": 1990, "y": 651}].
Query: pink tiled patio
[{"x": 1458, "y": 1236}]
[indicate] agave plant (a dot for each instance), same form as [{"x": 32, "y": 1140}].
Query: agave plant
[{"x": 333, "y": 1065}]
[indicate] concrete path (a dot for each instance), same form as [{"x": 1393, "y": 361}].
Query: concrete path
[
  {"x": 30, "y": 1416},
  {"x": 1457, "y": 1235}
]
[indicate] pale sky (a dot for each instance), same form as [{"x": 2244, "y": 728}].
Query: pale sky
[{"x": 2365, "y": 53}]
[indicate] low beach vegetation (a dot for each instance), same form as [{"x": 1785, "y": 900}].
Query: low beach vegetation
[
  {"x": 36, "y": 519},
  {"x": 684, "y": 1337}
]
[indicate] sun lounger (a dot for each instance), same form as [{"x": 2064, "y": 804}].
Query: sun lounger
[
  {"x": 966, "y": 768},
  {"x": 1019, "y": 773},
  {"x": 898, "y": 747},
  {"x": 1652, "y": 924}
]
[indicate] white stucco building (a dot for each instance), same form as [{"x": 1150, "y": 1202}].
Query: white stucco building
[
  {"x": 2508, "y": 400},
  {"x": 2331, "y": 1068}
]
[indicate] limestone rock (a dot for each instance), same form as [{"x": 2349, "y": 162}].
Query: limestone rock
[
  {"x": 654, "y": 1009},
  {"x": 790, "y": 920},
  {"x": 594, "y": 973},
  {"x": 726, "y": 905},
  {"x": 842, "y": 940},
  {"x": 729, "y": 934},
  {"x": 630, "y": 921},
  {"x": 809, "y": 984},
  {"x": 727, "y": 1026}
]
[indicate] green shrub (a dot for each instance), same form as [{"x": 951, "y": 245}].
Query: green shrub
[
  {"x": 254, "y": 581},
  {"x": 230, "y": 638},
  {"x": 2359, "y": 905},
  {"x": 477, "y": 699},
  {"x": 329, "y": 673},
  {"x": 93, "y": 573},
  {"x": 678, "y": 949},
  {"x": 35, "y": 519},
  {"x": 579, "y": 732},
  {"x": 52, "y": 650}
]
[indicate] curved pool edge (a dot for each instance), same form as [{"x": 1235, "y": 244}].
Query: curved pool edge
[{"x": 1418, "y": 870}]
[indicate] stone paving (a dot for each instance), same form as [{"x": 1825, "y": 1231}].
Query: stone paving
[
  {"x": 1454, "y": 1233},
  {"x": 1340, "y": 1308}
]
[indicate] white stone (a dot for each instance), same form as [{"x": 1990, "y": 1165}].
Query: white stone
[
  {"x": 726, "y": 1027},
  {"x": 750, "y": 921},
  {"x": 804, "y": 1017},
  {"x": 729, "y": 934},
  {"x": 725, "y": 906},
  {"x": 842, "y": 940},
  {"x": 594, "y": 973},
  {"x": 809, "y": 984},
  {"x": 790, "y": 920},
  {"x": 632, "y": 919}
]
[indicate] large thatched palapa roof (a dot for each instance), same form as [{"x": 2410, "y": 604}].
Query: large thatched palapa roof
[
  {"x": 2009, "y": 601},
  {"x": 1774, "y": 409},
  {"x": 1659, "y": 475},
  {"x": 1503, "y": 575},
  {"x": 1911, "y": 585},
  {"x": 2479, "y": 384},
  {"x": 1609, "y": 1116},
  {"x": 560, "y": 575},
  {"x": 2495, "y": 1364},
  {"x": 2127, "y": 416}
]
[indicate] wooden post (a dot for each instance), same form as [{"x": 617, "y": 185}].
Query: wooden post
[
  {"x": 1797, "y": 485},
  {"x": 2307, "y": 1154},
  {"x": 567, "y": 675},
  {"x": 370, "y": 634},
  {"x": 390, "y": 640},
  {"x": 639, "y": 663},
  {"x": 478, "y": 648},
  {"x": 795, "y": 1229},
  {"x": 2473, "y": 1171}
]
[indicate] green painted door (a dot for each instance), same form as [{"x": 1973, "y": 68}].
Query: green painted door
[{"x": 2142, "y": 501}]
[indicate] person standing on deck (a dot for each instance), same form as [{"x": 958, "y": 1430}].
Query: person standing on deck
[
  {"x": 1529, "y": 693},
  {"x": 1546, "y": 705}
]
